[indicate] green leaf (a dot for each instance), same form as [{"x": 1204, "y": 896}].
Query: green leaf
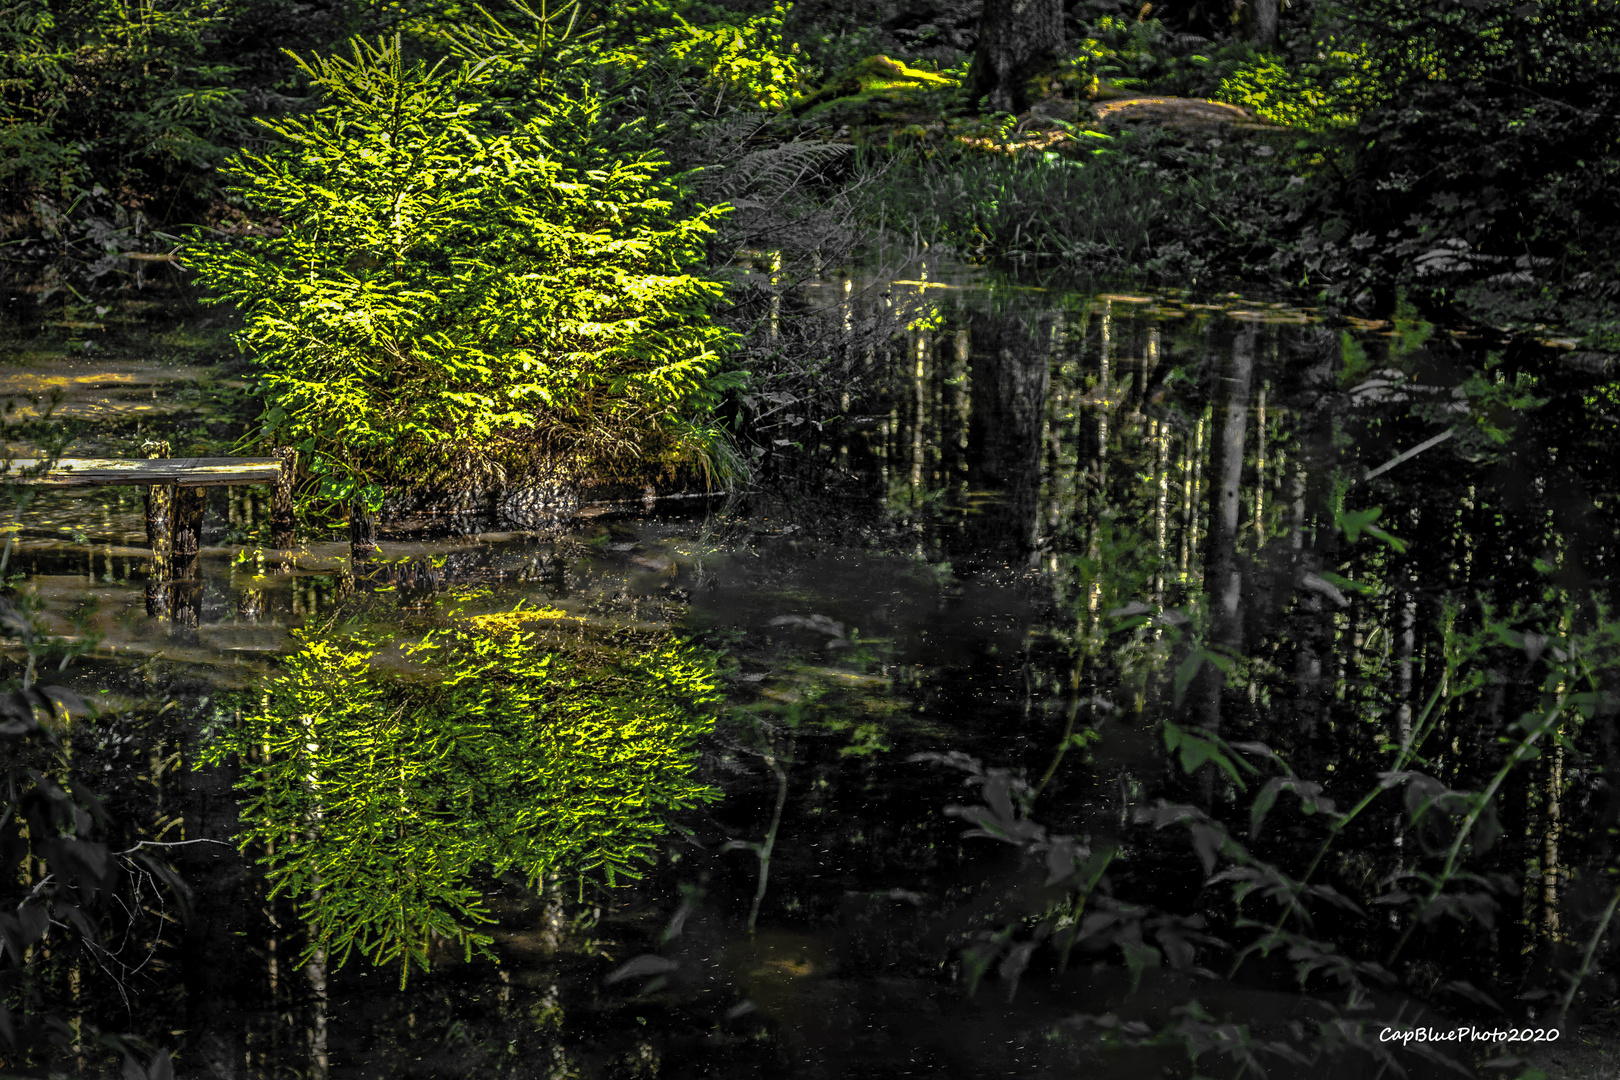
[
  {"x": 371, "y": 496},
  {"x": 1138, "y": 959},
  {"x": 1393, "y": 542},
  {"x": 1264, "y": 800},
  {"x": 1353, "y": 522},
  {"x": 1197, "y": 749},
  {"x": 1340, "y": 582},
  {"x": 336, "y": 488}
]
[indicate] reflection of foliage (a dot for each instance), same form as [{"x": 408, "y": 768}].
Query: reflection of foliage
[
  {"x": 448, "y": 293},
  {"x": 1342, "y": 943},
  {"x": 63, "y": 885},
  {"x": 59, "y": 877},
  {"x": 377, "y": 798}
]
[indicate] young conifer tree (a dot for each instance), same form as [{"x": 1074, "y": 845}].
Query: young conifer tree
[{"x": 451, "y": 292}]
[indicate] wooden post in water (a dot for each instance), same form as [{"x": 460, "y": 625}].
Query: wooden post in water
[
  {"x": 159, "y": 537},
  {"x": 281, "y": 504},
  {"x": 190, "y": 503},
  {"x": 362, "y": 530}
]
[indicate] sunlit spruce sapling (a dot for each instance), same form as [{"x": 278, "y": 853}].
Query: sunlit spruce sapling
[{"x": 452, "y": 295}]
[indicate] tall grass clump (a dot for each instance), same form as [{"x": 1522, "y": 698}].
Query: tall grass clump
[{"x": 1095, "y": 215}]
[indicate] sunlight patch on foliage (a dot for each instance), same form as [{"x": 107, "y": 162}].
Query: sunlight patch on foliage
[
  {"x": 1313, "y": 97},
  {"x": 748, "y": 62}
]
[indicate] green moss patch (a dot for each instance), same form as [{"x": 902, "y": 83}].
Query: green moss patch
[{"x": 872, "y": 90}]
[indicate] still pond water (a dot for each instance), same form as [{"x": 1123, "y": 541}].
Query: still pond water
[{"x": 1037, "y": 525}]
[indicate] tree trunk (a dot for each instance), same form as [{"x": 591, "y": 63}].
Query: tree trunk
[
  {"x": 1263, "y": 23},
  {"x": 1017, "y": 40}
]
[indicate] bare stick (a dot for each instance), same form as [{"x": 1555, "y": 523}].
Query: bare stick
[{"x": 1412, "y": 453}]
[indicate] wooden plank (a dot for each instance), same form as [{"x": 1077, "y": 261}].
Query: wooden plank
[{"x": 187, "y": 472}]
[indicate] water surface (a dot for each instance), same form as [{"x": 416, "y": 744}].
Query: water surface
[{"x": 947, "y": 563}]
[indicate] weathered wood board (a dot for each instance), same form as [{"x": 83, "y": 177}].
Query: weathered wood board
[{"x": 186, "y": 472}]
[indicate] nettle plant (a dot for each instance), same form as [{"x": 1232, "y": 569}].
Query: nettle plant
[
  {"x": 456, "y": 293},
  {"x": 384, "y": 801}
]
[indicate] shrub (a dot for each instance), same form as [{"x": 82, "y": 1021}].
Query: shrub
[{"x": 454, "y": 291}]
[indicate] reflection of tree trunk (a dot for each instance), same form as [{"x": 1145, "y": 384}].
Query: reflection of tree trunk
[
  {"x": 920, "y": 440},
  {"x": 1192, "y": 468},
  {"x": 316, "y": 970},
  {"x": 221, "y": 1005},
  {"x": 1260, "y": 470},
  {"x": 1011, "y": 374},
  {"x": 1104, "y": 359},
  {"x": 1552, "y": 825},
  {"x": 159, "y": 537},
  {"x": 1062, "y": 472},
  {"x": 1223, "y": 581},
  {"x": 1161, "y": 439},
  {"x": 1405, "y": 647},
  {"x": 1099, "y": 461},
  {"x": 1313, "y": 620},
  {"x": 1017, "y": 40}
]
